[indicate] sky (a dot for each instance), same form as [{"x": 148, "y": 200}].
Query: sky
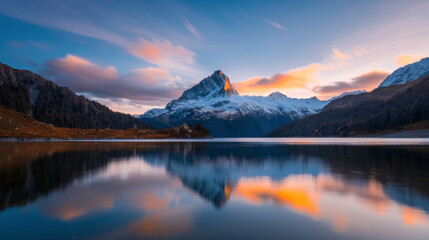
[{"x": 136, "y": 55}]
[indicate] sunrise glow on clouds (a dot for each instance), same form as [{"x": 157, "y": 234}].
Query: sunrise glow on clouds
[{"x": 135, "y": 60}]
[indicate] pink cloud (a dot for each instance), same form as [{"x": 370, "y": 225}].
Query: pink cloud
[
  {"x": 147, "y": 85},
  {"x": 192, "y": 29},
  {"x": 163, "y": 53}
]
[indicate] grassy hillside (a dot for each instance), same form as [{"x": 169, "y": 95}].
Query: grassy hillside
[{"x": 14, "y": 124}]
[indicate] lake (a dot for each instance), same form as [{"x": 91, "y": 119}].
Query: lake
[{"x": 215, "y": 189}]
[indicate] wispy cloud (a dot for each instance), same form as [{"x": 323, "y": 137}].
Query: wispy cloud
[
  {"x": 337, "y": 54},
  {"x": 142, "y": 85},
  {"x": 192, "y": 29},
  {"x": 163, "y": 53},
  {"x": 106, "y": 24},
  {"x": 274, "y": 24}
]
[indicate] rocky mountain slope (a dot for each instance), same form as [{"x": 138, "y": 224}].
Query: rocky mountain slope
[
  {"x": 407, "y": 73},
  {"x": 47, "y": 102},
  {"x": 216, "y": 105}
]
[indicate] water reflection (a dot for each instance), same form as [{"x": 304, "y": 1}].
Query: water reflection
[{"x": 196, "y": 190}]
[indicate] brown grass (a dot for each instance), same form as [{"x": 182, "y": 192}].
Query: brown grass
[{"x": 17, "y": 125}]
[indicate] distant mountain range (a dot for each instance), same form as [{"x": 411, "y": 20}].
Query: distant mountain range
[
  {"x": 401, "y": 102},
  {"x": 216, "y": 105},
  {"x": 29, "y": 93}
]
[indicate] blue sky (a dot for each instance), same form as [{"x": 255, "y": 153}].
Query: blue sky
[{"x": 136, "y": 55}]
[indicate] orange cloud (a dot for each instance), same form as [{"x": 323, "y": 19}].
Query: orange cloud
[
  {"x": 367, "y": 81},
  {"x": 296, "y": 78},
  {"x": 163, "y": 53},
  {"x": 405, "y": 59}
]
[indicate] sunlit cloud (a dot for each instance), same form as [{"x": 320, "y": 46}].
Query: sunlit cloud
[
  {"x": 274, "y": 24},
  {"x": 123, "y": 30},
  {"x": 305, "y": 81},
  {"x": 366, "y": 81},
  {"x": 405, "y": 59},
  {"x": 192, "y": 29},
  {"x": 163, "y": 53},
  {"x": 83, "y": 68},
  {"x": 339, "y": 55},
  {"x": 341, "y": 59},
  {"x": 293, "y": 79}
]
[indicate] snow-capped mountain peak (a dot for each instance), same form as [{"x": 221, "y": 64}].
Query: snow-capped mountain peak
[
  {"x": 216, "y": 105},
  {"x": 218, "y": 84},
  {"x": 407, "y": 73},
  {"x": 277, "y": 95}
]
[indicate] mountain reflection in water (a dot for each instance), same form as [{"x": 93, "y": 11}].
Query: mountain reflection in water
[{"x": 213, "y": 190}]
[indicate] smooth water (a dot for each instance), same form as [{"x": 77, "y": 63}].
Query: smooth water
[{"x": 284, "y": 189}]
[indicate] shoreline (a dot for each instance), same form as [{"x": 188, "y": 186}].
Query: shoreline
[{"x": 356, "y": 141}]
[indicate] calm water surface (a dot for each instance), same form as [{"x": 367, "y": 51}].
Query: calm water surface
[{"x": 215, "y": 190}]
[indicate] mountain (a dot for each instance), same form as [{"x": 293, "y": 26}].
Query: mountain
[
  {"x": 16, "y": 125},
  {"x": 392, "y": 108},
  {"x": 216, "y": 105},
  {"x": 348, "y": 93},
  {"x": 407, "y": 73},
  {"x": 47, "y": 102}
]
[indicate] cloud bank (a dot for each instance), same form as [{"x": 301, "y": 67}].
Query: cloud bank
[
  {"x": 140, "y": 86},
  {"x": 367, "y": 81}
]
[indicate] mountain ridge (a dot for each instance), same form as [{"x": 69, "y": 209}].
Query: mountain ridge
[
  {"x": 215, "y": 104},
  {"x": 391, "y": 108},
  {"x": 407, "y": 73},
  {"x": 30, "y": 93}
]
